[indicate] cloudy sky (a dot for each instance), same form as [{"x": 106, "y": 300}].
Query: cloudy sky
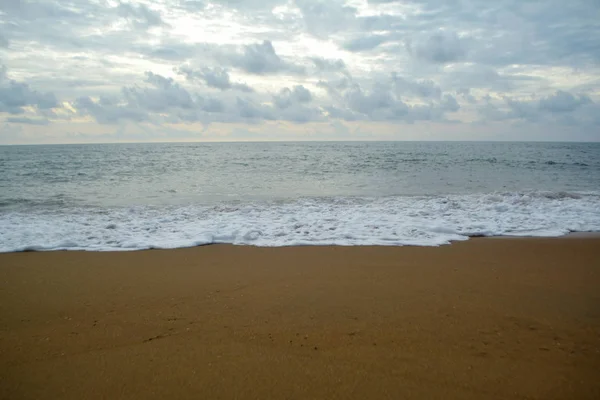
[{"x": 181, "y": 70}]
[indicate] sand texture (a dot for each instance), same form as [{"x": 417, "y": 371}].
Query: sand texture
[{"x": 483, "y": 319}]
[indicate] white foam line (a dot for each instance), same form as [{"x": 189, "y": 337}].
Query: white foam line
[{"x": 391, "y": 221}]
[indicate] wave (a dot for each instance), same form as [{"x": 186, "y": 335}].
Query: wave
[
  {"x": 395, "y": 220},
  {"x": 566, "y": 164},
  {"x": 53, "y": 201}
]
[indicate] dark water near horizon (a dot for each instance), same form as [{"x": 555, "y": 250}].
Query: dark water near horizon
[{"x": 128, "y": 196}]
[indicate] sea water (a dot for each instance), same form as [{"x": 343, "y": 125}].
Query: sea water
[{"x": 168, "y": 195}]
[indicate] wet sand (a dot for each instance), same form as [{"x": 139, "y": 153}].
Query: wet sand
[{"x": 483, "y": 319}]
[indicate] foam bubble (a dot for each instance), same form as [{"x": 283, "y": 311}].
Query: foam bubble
[{"x": 397, "y": 220}]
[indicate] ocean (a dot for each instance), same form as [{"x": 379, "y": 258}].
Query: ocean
[{"x": 169, "y": 195}]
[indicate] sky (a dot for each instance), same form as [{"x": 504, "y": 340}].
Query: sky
[{"x": 75, "y": 71}]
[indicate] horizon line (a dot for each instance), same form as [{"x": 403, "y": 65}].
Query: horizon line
[{"x": 298, "y": 141}]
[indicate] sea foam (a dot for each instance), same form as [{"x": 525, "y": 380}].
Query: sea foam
[{"x": 394, "y": 220}]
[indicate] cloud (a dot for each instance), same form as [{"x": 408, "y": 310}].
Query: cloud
[
  {"x": 552, "y": 32},
  {"x": 439, "y": 48},
  {"x": 384, "y": 100},
  {"x": 250, "y": 5},
  {"x": 190, "y": 5},
  {"x": 449, "y": 103},
  {"x": 16, "y": 96},
  {"x": 296, "y": 111},
  {"x": 109, "y": 113},
  {"x": 324, "y": 17},
  {"x": 468, "y": 76},
  {"x": 559, "y": 108},
  {"x": 288, "y": 97},
  {"x": 159, "y": 96},
  {"x": 216, "y": 78},
  {"x": 365, "y": 43},
  {"x": 248, "y": 109},
  {"x": 225, "y": 61},
  {"x": 99, "y": 29},
  {"x": 323, "y": 64},
  {"x": 261, "y": 59},
  {"x": 301, "y": 114},
  {"x": 465, "y": 93},
  {"x": 140, "y": 15},
  {"x": 161, "y": 99},
  {"x": 27, "y": 121},
  {"x": 423, "y": 88},
  {"x": 562, "y": 101},
  {"x": 163, "y": 94}
]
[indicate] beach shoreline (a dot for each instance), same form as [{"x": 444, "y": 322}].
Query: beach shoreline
[
  {"x": 569, "y": 235},
  {"x": 483, "y": 318}
]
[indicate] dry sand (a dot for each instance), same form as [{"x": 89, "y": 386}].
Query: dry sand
[{"x": 485, "y": 319}]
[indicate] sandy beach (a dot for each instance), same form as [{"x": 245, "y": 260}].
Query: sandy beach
[{"x": 483, "y": 319}]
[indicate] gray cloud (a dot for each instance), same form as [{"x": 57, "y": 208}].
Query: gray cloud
[
  {"x": 140, "y": 15},
  {"x": 552, "y": 32},
  {"x": 146, "y": 103},
  {"x": 261, "y": 59},
  {"x": 250, "y": 110},
  {"x": 190, "y": 5},
  {"x": 342, "y": 114},
  {"x": 421, "y": 88},
  {"x": 439, "y": 48},
  {"x": 449, "y": 103},
  {"x": 384, "y": 100},
  {"x": 93, "y": 27},
  {"x": 288, "y": 97},
  {"x": 301, "y": 94},
  {"x": 324, "y": 17},
  {"x": 384, "y": 22},
  {"x": 15, "y": 96},
  {"x": 302, "y": 114},
  {"x": 163, "y": 94},
  {"x": 212, "y": 105},
  {"x": 323, "y": 64},
  {"x": 297, "y": 111},
  {"x": 163, "y": 99},
  {"x": 563, "y": 101},
  {"x": 395, "y": 61},
  {"x": 216, "y": 78},
  {"x": 365, "y": 43},
  {"x": 561, "y": 107},
  {"x": 465, "y": 93},
  {"x": 109, "y": 113},
  {"x": 250, "y": 5},
  {"x": 486, "y": 77},
  {"x": 28, "y": 121}
]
